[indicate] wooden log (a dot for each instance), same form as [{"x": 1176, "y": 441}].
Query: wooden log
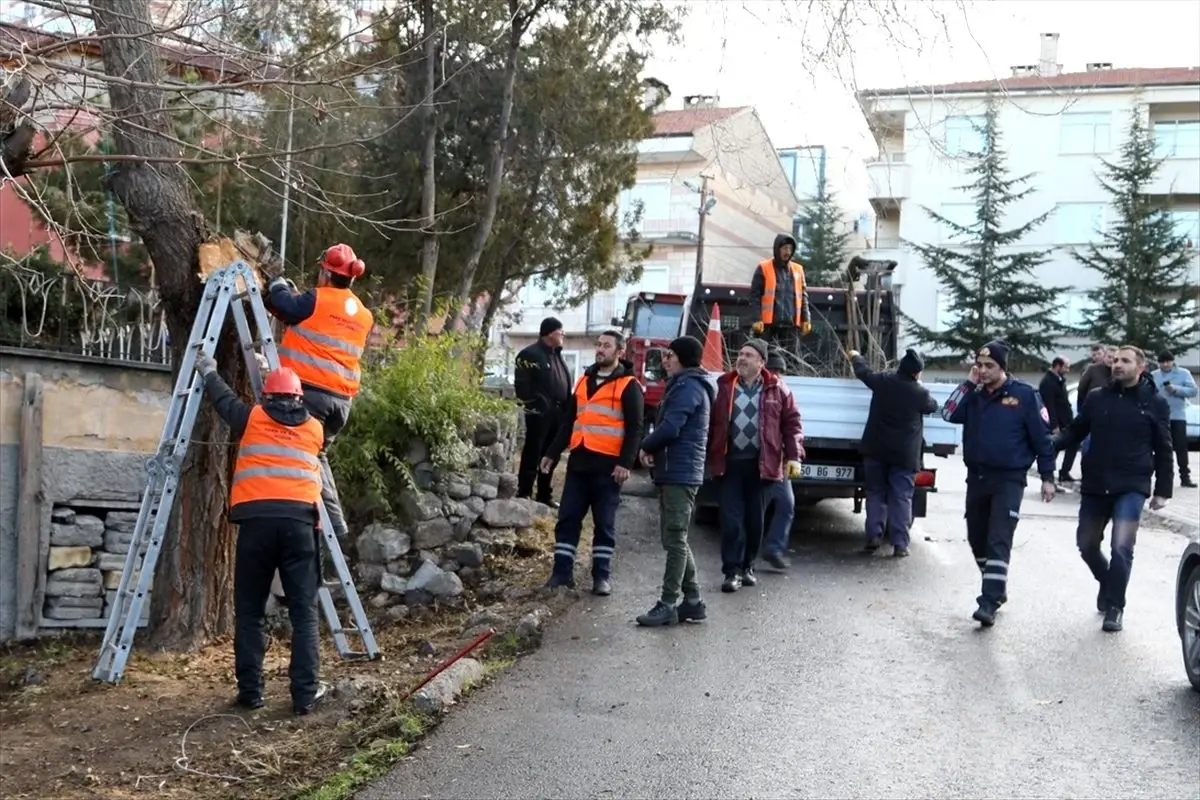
[{"x": 30, "y": 500}]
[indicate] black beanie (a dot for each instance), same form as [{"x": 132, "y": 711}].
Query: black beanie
[
  {"x": 688, "y": 350},
  {"x": 911, "y": 363},
  {"x": 996, "y": 350},
  {"x": 549, "y": 326}
]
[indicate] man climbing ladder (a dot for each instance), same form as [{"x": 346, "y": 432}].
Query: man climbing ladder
[{"x": 328, "y": 328}]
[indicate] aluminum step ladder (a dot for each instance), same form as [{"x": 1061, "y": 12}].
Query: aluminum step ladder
[{"x": 225, "y": 290}]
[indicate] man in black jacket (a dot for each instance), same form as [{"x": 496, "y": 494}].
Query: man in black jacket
[
  {"x": 1130, "y": 429},
  {"x": 602, "y": 424},
  {"x": 892, "y": 442},
  {"x": 1053, "y": 390},
  {"x": 543, "y": 383}
]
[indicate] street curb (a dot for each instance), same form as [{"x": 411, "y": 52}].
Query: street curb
[{"x": 1170, "y": 523}]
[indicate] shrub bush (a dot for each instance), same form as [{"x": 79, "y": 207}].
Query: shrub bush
[{"x": 426, "y": 387}]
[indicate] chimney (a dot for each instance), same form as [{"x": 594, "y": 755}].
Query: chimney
[
  {"x": 701, "y": 101},
  {"x": 1048, "y": 65},
  {"x": 1024, "y": 70},
  {"x": 1099, "y": 66},
  {"x": 654, "y": 93}
]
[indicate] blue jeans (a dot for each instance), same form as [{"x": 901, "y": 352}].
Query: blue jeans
[
  {"x": 781, "y": 503},
  {"x": 583, "y": 492},
  {"x": 741, "y": 515},
  {"x": 889, "y": 500},
  {"x": 1125, "y": 513}
]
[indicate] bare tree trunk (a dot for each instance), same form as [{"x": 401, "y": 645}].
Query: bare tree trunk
[
  {"x": 191, "y": 601},
  {"x": 491, "y": 203},
  {"x": 429, "y": 243}
]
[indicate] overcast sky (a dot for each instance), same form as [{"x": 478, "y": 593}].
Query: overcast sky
[{"x": 760, "y": 52}]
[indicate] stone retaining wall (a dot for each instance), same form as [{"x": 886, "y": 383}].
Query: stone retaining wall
[{"x": 88, "y": 548}]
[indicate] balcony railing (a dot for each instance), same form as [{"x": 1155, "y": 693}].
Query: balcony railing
[
  {"x": 684, "y": 229},
  {"x": 888, "y": 180},
  {"x": 602, "y": 308}
]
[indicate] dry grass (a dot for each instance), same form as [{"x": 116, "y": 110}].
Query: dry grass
[{"x": 168, "y": 729}]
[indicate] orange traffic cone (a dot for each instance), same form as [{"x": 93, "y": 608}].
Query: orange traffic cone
[{"x": 713, "y": 359}]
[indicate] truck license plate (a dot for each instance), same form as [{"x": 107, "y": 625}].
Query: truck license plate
[{"x": 826, "y": 472}]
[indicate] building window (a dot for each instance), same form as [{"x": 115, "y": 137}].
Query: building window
[
  {"x": 964, "y": 136},
  {"x": 1079, "y": 223},
  {"x": 1187, "y": 224},
  {"x": 1084, "y": 133},
  {"x": 963, "y": 214},
  {"x": 1074, "y": 310},
  {"x": 944, "y": 315},
  {"x": 571, "y": 357},
  {"x": 655, "y": 197},
  {"x": 788, "y": 161},
  {"x": 1177, "y": 139}
]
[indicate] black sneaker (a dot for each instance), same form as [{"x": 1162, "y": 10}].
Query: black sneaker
[
  {"x": 872, "y": 545},
  {"x": 305, "y": 709},
  {"x": 731, "y": 584},
  {"x": 777, "y": 562},
  {"x": 748, "y": 577},
  {"x": 1187, "y": 483},
  {"x": 691, "y": 610},
  {"x": 1113, "y": 620},
  {"x": 661, "y": 614},
  {"x": 601, "y": 587},
  {"x": 250, "y": 701},
  {"x": 900, "y": 552},
  {"x": 984, "y": 616},
  {"x": 557, "y": 580}
]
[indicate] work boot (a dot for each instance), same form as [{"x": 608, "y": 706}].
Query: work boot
[
  {"x": 1112, "y": 619},
  {"x": 900, "y": 552},
  {"x": 984, "y": 616},
  {"x": 307, "y": 708},
  {"x": 777, "y": 562},
  {"x": 601, "y": 587},
  {"x": 1187, "y": 483},
  {"x": 661, "y": 614},
  {"x": 692, "y": 610},
  {"x": 252, "y": 702},
  {"x": 872, "y": 545},
  {"x": 748, "y": 577},
  {"x": 557, "y": 580},
  {"x": 731, "y": 584}
]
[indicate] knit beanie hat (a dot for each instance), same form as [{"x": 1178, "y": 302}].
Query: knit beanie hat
[
  {"x": 911, "y": 363},
  {"x": 549, "y": 326},
  {"x": 996, "y": 350},
  {"x": 688, "y": 350},
  {"x": 759, "y": 346}
]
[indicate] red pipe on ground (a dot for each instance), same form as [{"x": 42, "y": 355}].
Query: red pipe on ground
[{"x": 483, "y": 637}]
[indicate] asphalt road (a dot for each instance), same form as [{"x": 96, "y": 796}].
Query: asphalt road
[{"x": 850, "y": 677}]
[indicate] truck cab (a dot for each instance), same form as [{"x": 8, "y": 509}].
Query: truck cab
[{"x": 652, "y": 321}]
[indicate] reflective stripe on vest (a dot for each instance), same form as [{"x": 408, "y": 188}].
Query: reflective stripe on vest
[
  {"x": 767, "y": 311},
  {"x": 600, "y": 419},
  {"x": 325, "y": 349},
  {"x": 277, "y": 462}
]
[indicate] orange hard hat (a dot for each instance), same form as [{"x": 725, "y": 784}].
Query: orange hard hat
[
  {"x": 283, "y": 381},
  {"x": 341, "y": 260}
]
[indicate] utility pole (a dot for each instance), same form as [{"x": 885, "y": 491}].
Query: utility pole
[{"x": 707, "y": 201}]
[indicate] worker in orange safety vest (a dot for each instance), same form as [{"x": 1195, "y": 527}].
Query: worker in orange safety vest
[
  {"x": 273, "y": 500},
  {"x": 779, "y": 289},
  {"x": 328, "y": 328}
]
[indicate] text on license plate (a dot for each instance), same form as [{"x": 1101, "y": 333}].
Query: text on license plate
[{"x": 826, "y": 472}]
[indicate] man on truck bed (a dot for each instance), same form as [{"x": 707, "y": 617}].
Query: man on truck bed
[
  {"x": 1005, "y": 428},
  {"x": 779, "y": 290},
  {"x": 892, "y": 441}
]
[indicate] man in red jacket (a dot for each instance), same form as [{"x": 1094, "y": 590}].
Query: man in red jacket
[{"x": 755, "y": 427}]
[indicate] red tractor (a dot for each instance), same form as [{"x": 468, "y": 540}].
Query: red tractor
[{"x": 652, "y": 321}]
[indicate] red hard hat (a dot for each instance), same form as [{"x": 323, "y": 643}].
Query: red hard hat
[
  {"x": 283, "y": 381},
  {"x": 340, "y": 259}
]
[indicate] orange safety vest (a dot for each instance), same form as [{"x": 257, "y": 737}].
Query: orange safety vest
[
  {"x": 325, "y": 349},
  {"x": 277, "y": 462},
  {"x": 768, "y": 297},
  {"x": 600, "y": 419}
]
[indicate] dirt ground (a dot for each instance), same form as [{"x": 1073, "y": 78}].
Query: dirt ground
[{"x": 170, "y": 730}]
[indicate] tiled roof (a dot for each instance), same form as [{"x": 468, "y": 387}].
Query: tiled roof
[
  {"x": 688, "y": 120},
  {"x": 1099, "y": 79},
  {"x": 18, "y": 39}
]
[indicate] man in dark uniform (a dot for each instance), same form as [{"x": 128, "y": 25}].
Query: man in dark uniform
[
  {"x": 543, "y": 384},
  {"x": 1053, "y": 390},
  {"x": 1005, "y": 429}
]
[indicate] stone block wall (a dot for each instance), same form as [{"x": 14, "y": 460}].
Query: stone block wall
[{"x": 88, "y": 550}]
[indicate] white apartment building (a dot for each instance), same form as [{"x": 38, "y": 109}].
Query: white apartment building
[
  {"x": 815, "y": 170},
  {"x": 726, "y": 150},
  {"x": 1055, "y": 125}
]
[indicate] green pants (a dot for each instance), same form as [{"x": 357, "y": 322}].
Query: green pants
[{"x": 675, "y": 505}]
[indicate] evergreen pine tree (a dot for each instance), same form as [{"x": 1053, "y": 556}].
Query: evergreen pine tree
[
  {"x": 1146, "y": 267},
  {"x": 993, "y": 290},
  {"x": 824, "y": 240}
]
